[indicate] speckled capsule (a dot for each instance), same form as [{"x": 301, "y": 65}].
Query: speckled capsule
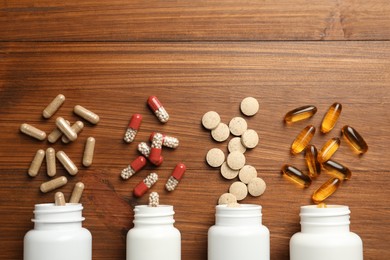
[
  {"x": 329, "y": 148},
  {"x": 176, "y": 176},
  {"x": 134, "y": 167},
  {"x": 77, "y": 128},
  {"x": 158, "y": 109},
  {"x": 145, "y": 149},
  {"x": 67, "y": 163},
  {"x": 331, "y": 117},
  {"x": 168, "y": 141},
  {"x": 303, "y": 139},
  {"x": 86, "y": 114},
  {"x": 156, "y": 149},
  {"x": 132, "y": 128},
  {"x": 354, "y": 139},
  {"x": 66, "y": 129},
  {"x": 145, "y": 185}
]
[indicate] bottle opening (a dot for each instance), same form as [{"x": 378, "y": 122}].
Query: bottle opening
[{"x": 50, "y": 213}]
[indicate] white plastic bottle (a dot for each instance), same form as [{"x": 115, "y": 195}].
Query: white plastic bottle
[
  {"x": 325, "y": 235},
  {"x": 153, "y": 237},
  {"x": 58, "y": 234},
  {"x": 238, "y": 234}
]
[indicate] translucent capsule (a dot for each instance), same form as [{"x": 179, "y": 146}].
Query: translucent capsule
[
  {"x": 300, "y": 113},
  {"x": 312, "y": 163},
  {"x": 66, "y": 129},
  {"x": 302, "y": 139},
  {"x": 145, "y": 185},
  {"x": 33, "y": 131},
  {"x": 67, "y": 163},
  {"x": 51, "y": 162},
  {"x": 77, "y": 128},
  {"x": 354, "y": 139},
  {"x": 134, "y": 167},
  {"x": 329, "y": 148},
  {"x": 89, "y": 150},
  {"x": 59, "y": 199},
  {"x": 53, "y": 184},
  {"x": 326, "y": 189},
  {"x": 331, "y": 117},
  {"x": 132, "y": 128},
  {"x": 168, "y": 141},
  {"x": 176, "y": 176},
  {"x": 337, "y": 170},
  {"x": 54, "y": 105},
  {"x": 77, "y": 193},
  {"x": 156, "y": 149},
  {"x": 158, "y": 109},
  {"x": 36, "y": 163},
  {"x": 296, "y": 175},
  {"x": 86, "y": 114}
]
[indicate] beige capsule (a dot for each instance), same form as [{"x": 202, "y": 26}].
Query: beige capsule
[
  {"x": 66, "y": 129},
  {"x": 51, "y": 162},
  {"x": 59, "y": 199},
  {"x": 77, "y": 192},
  {"x": 36, "y": 163},
  {"x": 53, "y": 184},
  {"x": 67, "y": 163},
  {"x": 77, "y": 128},
  {"x": 55, "y": 134},
  {"x": 89, "y": 151},
  {"x": 33, "y": 131},
  {"x": 86, "y": 114},
  {"x": 54, "y": 105}
]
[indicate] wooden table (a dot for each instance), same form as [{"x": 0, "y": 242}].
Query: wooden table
[{"x": 195, "y": 56}]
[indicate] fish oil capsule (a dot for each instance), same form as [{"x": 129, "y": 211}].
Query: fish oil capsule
[
  {"x": 331, "y": 117},
  {"x": 329, "y": 148},
  {"x": 89, "y": 151},
  {"x": 86, "y": 114},
  {"x": 36, "y": 163},
  {"x": 77, "y": 192},
  {"x": 156, "y": 148},
  {"x": 311, "y": 158},
  {"x": 59, "y": 199},
  {"x": 158, "y": 109},
  {"x": 337, "y": 170},
  {"x": 67, "y": 163},
  {"x": 53, "y": 184},
  {"x": 296, "y": 175},
  {"x": 51, "y": 162},
  {"x": 176, "y": 176},
  {"x": 132, "y": 128},
  {"x": 77, "y": 128},
  {"x": 66, "y": 129},
  {"x": 134, "y": 167},
  {"x": 354, "y": 139},
  {"x": 300, "y": 113},
  {"x": 145, "y": 185},
  {"x": 168, "y": 141},
  {"x": 54, "y": 105},
  {"x": 154, "y": 199},
  {"x": 325, "y": 190},
  {"x": 33, "y": 131},
  {"x": 303, "y": 139}
]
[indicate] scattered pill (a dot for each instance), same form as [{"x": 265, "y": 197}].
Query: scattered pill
[
  {"x": 53, "y": 184},
  {"x": 331, "y": 117},
  {"x": 66, "y": 129},
  {"x": 59, "y": 199},
  {"x": 215, "y": 157},
  {"x": 158, "y": 109},
  {"x": 89, "y": 150},
  {"x": 247, "y": 173},
  {"x": 168, "y": 141},
  {"x": 325, "y": 190},
  {"x": 322, "y": 205},
  {"x": 55, "y": 134},
  {"x": 211, "y": 120},
  {"x": 86, "y": 114},
  {"x": 250, "y": 138},
  {"x": 54, "y": 105},
  {"x": 221, "y": 132},
  {"x": 296, "y": 175},
  {"x": 76, "y": 127},
  {"x": 300, "y": 113},
  {"x": 256, "y": 186},
  {"x": 227, "y": 198},
  {"x": 354, "y": 139},
  {"x": 77, "y": 193},
  {"x": 235, "y": 144},
  {"x": 303, "y": 139},
  {"x": 156, "y": 149},
  {"x": 36, "y": 163},
  {"x": 329, "y": 148},
  {"x": 227, "y": 172},
  {"x": 249, "y": 106},
  {"x": 67, "y": 163},
  {"x": 145, "y": 185},
  {"x": 239, "y": 190},
  {"x": 233, "y": 205},
  {"x": 134, "y": 167},
  {"x": 132, "y": 128},
  {"x": 33, "y": 131},
  {"x": 175, "y": 177},
  {"x": 144, "y": 149},
  {"x": 337, "y": 170},
  {"x": 311, "y": 158},
  {"x": 153, "y": 199},
  {"x": 236, "y": 160},
  {"x": 51, "y": 162},
  {"x": 238, "y": 126}
]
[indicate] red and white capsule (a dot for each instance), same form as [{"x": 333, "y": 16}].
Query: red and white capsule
[
  {"x": 176, "y": 176},
  {"x": 134, "y": 167},
  {"x": 145, "y": 185},
  {"x": 132, "y": 128},
  {"x": 156, "y": 149},
  {"x": 158, "y": 109},
  {"x": 168, "y": 141},
  {"x": 145, "y": 150}
]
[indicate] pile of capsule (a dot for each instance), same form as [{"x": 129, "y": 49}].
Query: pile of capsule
[
  {"x": 68, "y": 133},
  {"x": 152, "y": 153},
  {"x": 235, "y": 164},
  {"x": 315, "y": 160}
]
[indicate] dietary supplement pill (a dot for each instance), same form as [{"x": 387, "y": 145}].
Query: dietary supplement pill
[
  {"x": 325, "y": 190},
  {"x": 77, "y": 193},
  {"x": 311, "y": 158},
  {"x": 36, "y": 163},
  {"x": 221, "y": 132},
  {"x": 256, "y": 187},
  {"x": 331, "y": 117},
  {"x": 227, "y": 198},
  {"x": 77, "y": 128},
  {"x": 215, "y": 157},
  {"x": 53, "y": 184},
  {"x": 211, "y": 120},
  {"x": 239, "y": 190},
  {"x": 134, "y": 167},
  {"x": 67, "y": 163},
  {"x": 302, "y": 139},
  {"x": 329, "y": 148},
  {"x": 59, "y": 199},
  {"x": 176, "y": 176},
  {"x": 158, "y": 109},
  {"x": 250, "y": 138},
  {"x": 238, "y": 126},
  {"x": 154, "y": 199},
  {"x": 55, "y": 134},
  {"x": 89, "y": 150},
  {"x": 354, "y": 139},
  {"x": 296, "y": 176},
  {"x": 249, "y": 106},
  {"x": 54, "y": 105},
  {"x": 236, "y": 160},
  {"x": 247, "y": 173},
  {"x": 132, "y": 128},
  {"x": 227, "y": 172},
  {"x": 145, "y": 185},
  {"x": 86, "y": 114},
  {"x": 51, "y": 162},
  {"x": 66, "y": 129},
  {"x": 33, "y": 131},
  {"x": 235, "y": 144},
  {"x": 337, "y": 170},
  {"x": 167, "y": 141},
  {"x": 300, "y": 113}
]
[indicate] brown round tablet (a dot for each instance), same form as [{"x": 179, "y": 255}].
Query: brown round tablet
[
  {"x": 235, "y": 160},
  {"x": 250, "y": 138},
  {"x": 247, "y": 173},
  {"x": 227, "y": 172},
  {"x": 239, "y": 190}
]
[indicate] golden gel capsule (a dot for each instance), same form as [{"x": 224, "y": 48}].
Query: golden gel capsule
[
  {"x": 326, "y": 189},
  {"x": 303, "y": 139},
  {"x": 331, "y": 117},
  {"x": 337, "y": 170},
  {"x": 354, "y": 139},
  {"x": 329, "y": 148},
  {"x": 300, "y": 113},
  {"x": 321, "y": 205},
  {"x": 296, "y": 175},
  {"x": 312, "y": 162}
]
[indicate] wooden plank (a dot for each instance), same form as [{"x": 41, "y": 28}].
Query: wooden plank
[
  {"x": 115, "y": 79},
  {"x": 186, "y": 20}
]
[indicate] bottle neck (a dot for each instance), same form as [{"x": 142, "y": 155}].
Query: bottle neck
[
  {"x": 333, "y": 218},
  {"x": 245, "y": 215},
  {"x": 51, "y": 217},
  {"x": 145, "y": 216}
]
